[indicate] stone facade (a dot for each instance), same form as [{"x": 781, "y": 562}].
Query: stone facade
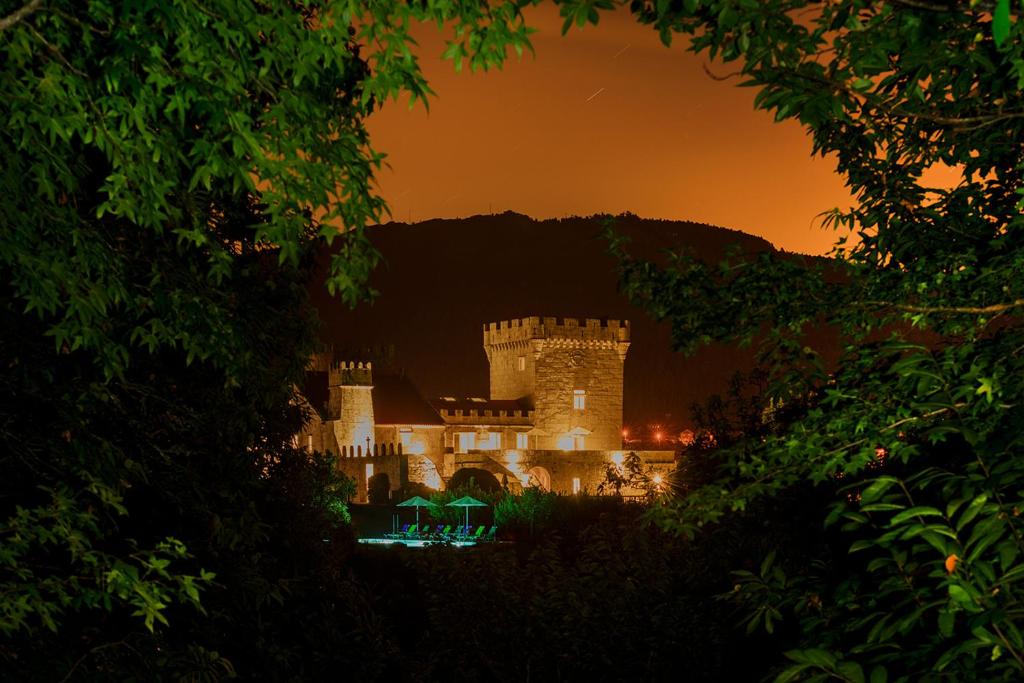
[
  {"x": 564, "y": 472},
  {"x": 568, "y": 370},
  {"x": 351, "y": 404}
]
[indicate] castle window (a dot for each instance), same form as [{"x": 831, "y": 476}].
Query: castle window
[
  {"x": 575, "y": 484},
  {"x": 579, "y": 399},
  {"x": 405, "y": 436},
  {"x": 369, "y": 470},
  {"x": 467, "y": 441},
  {"x": 522, "y": 363},
  {"x": 522, "y": 440},
  {"x": 489, "y": 441},
  {"x": 309, "y": 443}
]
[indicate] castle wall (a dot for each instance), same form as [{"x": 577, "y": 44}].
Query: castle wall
[
  {"x": 595, "y": 369},
  {"x": 562, "y": 355},
  {"x": 424, "y": 447},
  {"x": 350, "y": 405},
  {"x": 558, "y": 471},
  {"x": 357, "y": 468},
  {"x": 505, "y": 344}
]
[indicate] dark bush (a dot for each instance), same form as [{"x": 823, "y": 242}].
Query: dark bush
[{"x": 378, "y": 489}]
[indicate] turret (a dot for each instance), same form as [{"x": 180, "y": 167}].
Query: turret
[{"x": 570, "y": 370}]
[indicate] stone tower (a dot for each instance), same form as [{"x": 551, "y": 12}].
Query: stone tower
[
  {"x": 350, "y": 405},
  {"x": 569, "y": 371}
]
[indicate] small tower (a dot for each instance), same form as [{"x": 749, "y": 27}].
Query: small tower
[
  {"x": 350, "y": 405},
  {"x": 569, "y": 370}
]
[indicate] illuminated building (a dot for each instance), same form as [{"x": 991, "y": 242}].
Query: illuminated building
[{"x": 553, "y": 418}]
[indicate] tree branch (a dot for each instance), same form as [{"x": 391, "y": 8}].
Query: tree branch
[
  {"x": 966, "y": 310},
  {"x": 19, "y": 14}
]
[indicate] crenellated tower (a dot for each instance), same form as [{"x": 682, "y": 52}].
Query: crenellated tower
[
  {"x": 569, "y": 370},
  {"x": 350, "y": 404}
]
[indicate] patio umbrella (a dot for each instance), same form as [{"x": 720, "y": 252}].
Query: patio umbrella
[
  {"x": 467, "y": 502},
  {"x": 416, "y": 502}
]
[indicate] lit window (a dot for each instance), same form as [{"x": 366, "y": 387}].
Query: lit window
[
  {"x": 467, "y": 441},
  {"x": 579, "y": 399},
  {"x": 578, "y": 446},
  {"x": 522, "y": 362},
  {"x": 522, "y": 440},
  {"x": 575, "y": 484},
  {"x": 309, "y": 442},
  {"x": 489, "y": 441},
  {"x": 369, "y": 470}
]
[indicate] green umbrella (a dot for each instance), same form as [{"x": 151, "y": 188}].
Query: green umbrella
[
  {"x": 467, "y": 502},
  {"x": 416, "y": 502}
]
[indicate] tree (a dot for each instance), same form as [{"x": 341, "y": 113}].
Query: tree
[
  {"x": 916, "y": 428},
  {"x": 378, "y": 489},
  {"x": 168, "y": 170}
]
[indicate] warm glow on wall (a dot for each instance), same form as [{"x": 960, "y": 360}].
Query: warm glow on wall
[{"x": 432, "y": 479}]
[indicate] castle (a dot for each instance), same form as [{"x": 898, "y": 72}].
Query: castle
[{"x": 553, "y": 417}]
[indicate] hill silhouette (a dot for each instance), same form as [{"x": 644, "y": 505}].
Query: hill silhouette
[{"x": 443, "y": 279}]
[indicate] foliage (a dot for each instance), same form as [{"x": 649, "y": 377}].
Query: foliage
[
  {"x": 124, "y": 119},
  {"x": 168, "y": 170},
  {"x": 525, "y": 515},
  {"x": 446, "y": 514},
  {"x": 378, "y": 489},
  {"x": 631, "y": 475},
  {"x": 594, "y": 595},
  {"x": 915, "y": 431}
]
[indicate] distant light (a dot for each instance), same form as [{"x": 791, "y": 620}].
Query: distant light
[
  {"x": 658, "y": 436},
  {"x": 657, "y": 479},
  {"x": 625, "y": 433}
]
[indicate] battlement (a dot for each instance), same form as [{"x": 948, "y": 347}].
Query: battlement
[
  {"x": 536, "y": 327},
  {"x": 377, "y": 450},
  {"x": 350, "y": 373},
  {"x": 486, "y": 412}
]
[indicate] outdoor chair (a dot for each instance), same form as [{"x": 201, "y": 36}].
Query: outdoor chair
[
  {"x": 490, "y": 534},
  {"x": 398, "y": 534},
  {"x": 479, "y": 532}
]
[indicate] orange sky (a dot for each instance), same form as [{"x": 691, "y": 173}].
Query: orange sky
[{"x": 605, "y": 119}]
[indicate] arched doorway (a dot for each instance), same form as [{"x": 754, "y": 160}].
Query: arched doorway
[
  {"x": 479, "y": 477},
  {"x": 540, "y": 477}
]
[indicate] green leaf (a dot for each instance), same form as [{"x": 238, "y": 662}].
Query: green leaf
[
  {"x": 917, "y": 511},
  {"x": 1001, "y": 22}
]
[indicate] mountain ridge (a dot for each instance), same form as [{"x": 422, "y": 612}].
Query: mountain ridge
[{"x": 442, "y": 279}]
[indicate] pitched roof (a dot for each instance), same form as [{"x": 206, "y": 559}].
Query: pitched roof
[
  {"x": 316, "y": 392},
  {"x": 397, "y": 402}
]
